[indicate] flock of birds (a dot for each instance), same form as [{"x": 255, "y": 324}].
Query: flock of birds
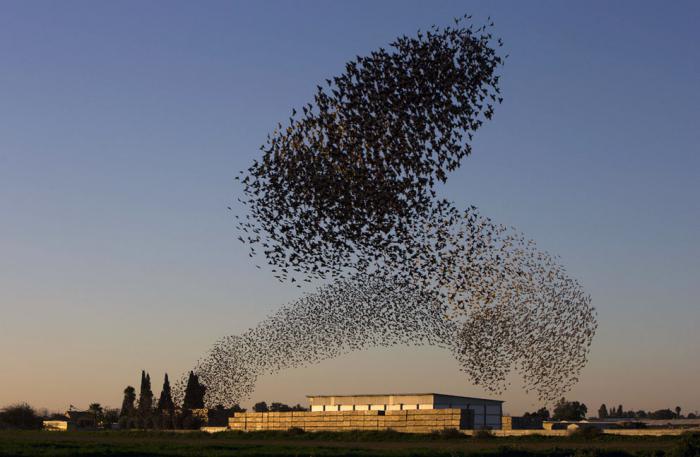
[
  {"x": 339, "y": 188},
  {"x": 346, "y": 192}
]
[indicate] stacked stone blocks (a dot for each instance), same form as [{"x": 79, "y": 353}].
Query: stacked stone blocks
[{"x": 409, "y": 421}]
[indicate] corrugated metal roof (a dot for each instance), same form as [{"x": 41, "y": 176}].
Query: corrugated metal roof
[{"x": 402, "y": 395}]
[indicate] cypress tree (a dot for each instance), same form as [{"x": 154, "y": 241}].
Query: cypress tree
[
  {"x": 128, "y": 402},
  {"x": 194, "y": 393},
  {"x": 145, "y": 395},
  {"x": 165, "y": 401},
  {"x": 602, "y": 411}
]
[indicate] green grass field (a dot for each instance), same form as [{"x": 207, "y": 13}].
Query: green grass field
[{"x": 128, "y": 443}]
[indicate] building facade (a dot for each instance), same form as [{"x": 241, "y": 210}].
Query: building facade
[
  {"x": 485, "y": 413},
  {"x": 407, "y": 421}
]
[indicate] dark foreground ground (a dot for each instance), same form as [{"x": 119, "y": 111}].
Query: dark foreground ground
[{"x": 116, "y": 443}]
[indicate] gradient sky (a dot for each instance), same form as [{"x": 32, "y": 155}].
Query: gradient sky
[{"x": 122, "y": 125}]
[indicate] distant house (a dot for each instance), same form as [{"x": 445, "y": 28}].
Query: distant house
[
  {"x": 74, "y": 420},
  {"x": 82, "y": 419}
]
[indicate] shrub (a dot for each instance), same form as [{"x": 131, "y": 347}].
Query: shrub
[
  {"x": 449, "y": 433},
  {"x": 191, "y": 423},
  {"x": 634, "y": 425},
  {"x": 484, "y": 433},
  {"x": 20, "y": 416},
  {"x": 688, "y": 446},
  {"x": 586, "y": 433},
  {"x": 296, "y": 431}
]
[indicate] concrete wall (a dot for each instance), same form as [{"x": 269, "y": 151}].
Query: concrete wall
[
  {"x": 413, "y": 421},
  {"x": 621, "y": 432},
  {"x": 210, "y": 429},
  {"x": 505, "y": 433}
]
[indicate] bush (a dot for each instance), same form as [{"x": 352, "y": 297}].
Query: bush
[
  {"x": 449, "y": 433},
  {"x": 296, "y": 431},
  {"x": 132, "y": 422},
  {"x": 123, "y": 422},
  {"x": 484, "y": 433},
  {"x": 191, "y": 423},
  {"x": 689, "y": 446},
  {"x": 586, "y": 433},
  {"x": 20, "y": 416},
  {"x": 634, "y": 425},
  {"x": 587, "y": 453}
]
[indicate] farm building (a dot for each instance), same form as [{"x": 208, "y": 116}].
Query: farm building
[
  {"x": 485, "y": 412},
  {"x": 416, "y": 413}
]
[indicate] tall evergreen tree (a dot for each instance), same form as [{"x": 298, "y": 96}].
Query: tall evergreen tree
[
  {"x": 194, "y": 393},
  {"x": 128, "y": 402},
  {"x": 145, "y": 395},
  {"x": 602, "y": 411},
  {"x": 165, "y": 401}
]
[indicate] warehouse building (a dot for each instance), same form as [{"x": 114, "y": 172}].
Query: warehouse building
[
  {"x": 415, "y": 413},
  {"x": 486, "y": 413}
]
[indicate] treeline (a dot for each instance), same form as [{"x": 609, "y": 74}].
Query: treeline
[
  {"x": 619, "y": 412},
  {"x": 144, "y": 410},
  {"x": 275, "y": 407},
  {"x": 19, "y": 416},
  {"x": 564, "y": 410},
  {"x": 574, "y": 411},
  {"x": 148, "y": 413}
]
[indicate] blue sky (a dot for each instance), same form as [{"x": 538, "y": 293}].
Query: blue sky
[{"x": 122, "y": 125}]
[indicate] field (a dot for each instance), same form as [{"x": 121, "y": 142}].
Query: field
[{"x": 124, "y": 443}]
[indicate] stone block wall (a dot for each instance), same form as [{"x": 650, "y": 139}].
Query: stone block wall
[
  {"x": 410, "y": 421},
  {"x": 521, "y": 423},
  {"x": 507, "y": 423},
  {"x": 202, "y": 414}
]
